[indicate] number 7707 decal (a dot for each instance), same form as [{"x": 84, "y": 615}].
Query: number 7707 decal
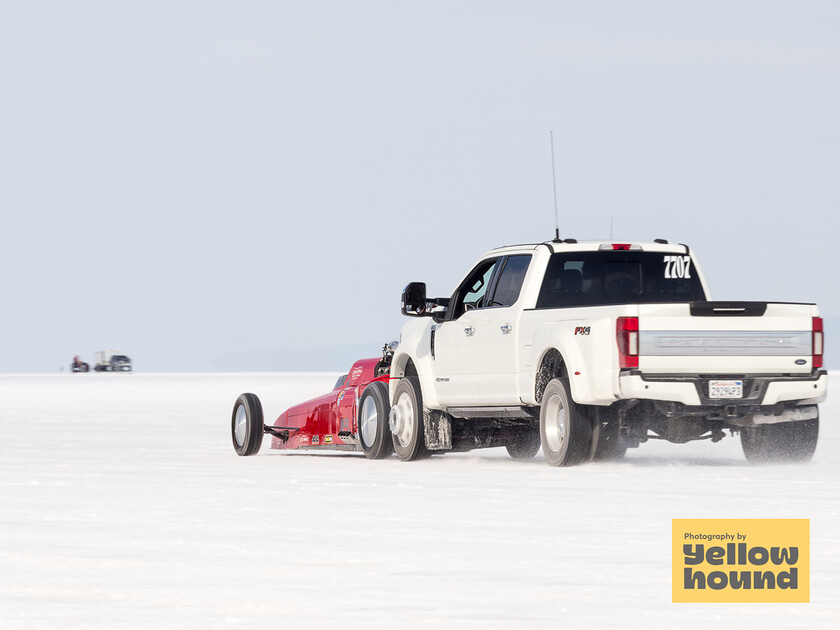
[{"x": 677, "y": 266}]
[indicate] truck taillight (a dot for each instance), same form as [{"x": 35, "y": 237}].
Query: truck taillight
[
  {"x": 627, "y": 336},
  {"x": 817, "y": 336}
]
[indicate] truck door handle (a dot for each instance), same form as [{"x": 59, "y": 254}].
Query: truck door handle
[
  {"x": 506, "y": 328},
  {"x": 470, "y": 331}
]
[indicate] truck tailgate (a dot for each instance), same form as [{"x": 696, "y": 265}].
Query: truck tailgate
[{"x": 726, "y": 338}]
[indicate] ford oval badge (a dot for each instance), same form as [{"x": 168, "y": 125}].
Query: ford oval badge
[{"x": 801, "y": 362}]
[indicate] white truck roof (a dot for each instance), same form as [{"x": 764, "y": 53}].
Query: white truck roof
[{"x": 571, "y": 245}]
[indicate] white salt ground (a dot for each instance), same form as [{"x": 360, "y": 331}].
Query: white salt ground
[{"x": 123, "y": 505}]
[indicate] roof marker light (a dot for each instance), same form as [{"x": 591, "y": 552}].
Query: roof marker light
[{"x": 620, "y": 247}]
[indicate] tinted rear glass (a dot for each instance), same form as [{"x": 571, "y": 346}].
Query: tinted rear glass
[{"x": 601, "y": 278}]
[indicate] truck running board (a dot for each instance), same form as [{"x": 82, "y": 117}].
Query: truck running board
[{"x": 488, "y": 412}]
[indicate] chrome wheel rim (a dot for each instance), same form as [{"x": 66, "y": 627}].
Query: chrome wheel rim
[
  {"x": 369, "y": 421},
  {"x": 401, "y": 419},
  {"x": 240, "y": 425},
  {"x": 555, "y": 423}
]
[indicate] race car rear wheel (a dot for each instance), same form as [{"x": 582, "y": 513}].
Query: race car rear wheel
[
  {"x": 246, "y": 425},
  {"x": 782, "y": 442},
  {"x": 564, "y": 431},
  {"x": 406, "y": 420},
  {"x": 374, "y": 435}
]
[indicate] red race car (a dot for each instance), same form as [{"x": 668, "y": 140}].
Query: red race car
[{"x": 352, "y": 417}]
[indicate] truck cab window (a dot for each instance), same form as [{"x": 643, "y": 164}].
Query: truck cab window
[
  {"x": 510, "y": 280},
  {"x": 473, "y": 291}
]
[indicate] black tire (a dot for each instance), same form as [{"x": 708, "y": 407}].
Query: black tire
[
  {"x": 783, "y": 442},
  {"x": 406, "y": 421},
  {"x": 564, "y": 431},
  {"x": 526, "y": 444},
  {"x": 374, "y": 434},
  {"x": 246, "y": 425}
]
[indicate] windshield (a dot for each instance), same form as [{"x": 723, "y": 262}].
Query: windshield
[{"x": 620, "y": 277}]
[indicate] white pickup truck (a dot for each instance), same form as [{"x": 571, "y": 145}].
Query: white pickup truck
[{"x": 589, "y": 348}]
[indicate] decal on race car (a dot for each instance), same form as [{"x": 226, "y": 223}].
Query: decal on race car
[
  {"x": 328, "y": 439},
  {"x": 314, "y": 440}
]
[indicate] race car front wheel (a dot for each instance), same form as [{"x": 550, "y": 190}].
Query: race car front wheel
[
  {"x": 406, "y": 420},
  {"x": 246, "y": 425},
  {"x": 374, "y": 434}
]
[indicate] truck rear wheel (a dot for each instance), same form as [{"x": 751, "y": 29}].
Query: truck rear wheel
[
  {"x": 406, "y": 421},
  {"x": 783, "y": 442},
  {"x": 374, "y": 435},
  {"x": 564, "y": 431},
  {"x": 246, "y": 425},
  {"x": 525, "y": 445}
]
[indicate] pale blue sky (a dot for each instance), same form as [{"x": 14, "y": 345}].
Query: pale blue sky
[{"x": 185, "y": 180}]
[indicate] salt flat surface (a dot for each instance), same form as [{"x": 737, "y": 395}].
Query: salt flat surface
[{"x": 123, "y": 505}]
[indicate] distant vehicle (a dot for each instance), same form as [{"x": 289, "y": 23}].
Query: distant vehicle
[
  {"x": 112, "y": 361},
  {"x": 78, "y": 365}
]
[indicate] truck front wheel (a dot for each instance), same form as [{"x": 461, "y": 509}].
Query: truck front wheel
[
  {"x": 406, "y": 420},
  {"x": 564, "y": 431},
  {"x": 782, "y": 442}
]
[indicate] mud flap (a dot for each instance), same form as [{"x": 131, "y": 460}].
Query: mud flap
[{"x": 437, "y": 430}]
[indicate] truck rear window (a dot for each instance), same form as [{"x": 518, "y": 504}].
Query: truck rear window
[{"x": 618, "y": 277}]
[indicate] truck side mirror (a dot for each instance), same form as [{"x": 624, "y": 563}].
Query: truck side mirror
[{"x": 414, "y": 299}]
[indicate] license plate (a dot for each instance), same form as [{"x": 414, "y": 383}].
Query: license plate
[{"x": 726, "y": 389}]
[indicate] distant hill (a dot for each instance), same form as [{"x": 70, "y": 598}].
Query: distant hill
[{"x": 329, "y": 359}]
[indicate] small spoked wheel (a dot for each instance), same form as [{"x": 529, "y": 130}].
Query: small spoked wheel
[
  {"x": 564, "y": 431},
  {"x": 246, "y": 425},
  {"x": 374, "y": 434},
  {"x": 406, "y": 421}
]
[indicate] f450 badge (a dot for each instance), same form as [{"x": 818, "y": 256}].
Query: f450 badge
[{"x": 582, "y": 330}]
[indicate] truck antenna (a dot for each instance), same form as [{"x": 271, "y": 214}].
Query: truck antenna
[{"x": 554, "y": 179}]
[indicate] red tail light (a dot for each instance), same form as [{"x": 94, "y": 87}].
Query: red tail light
[
  {"x": 627, "y": 336},
  {"x": 817, "y": 337}
]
